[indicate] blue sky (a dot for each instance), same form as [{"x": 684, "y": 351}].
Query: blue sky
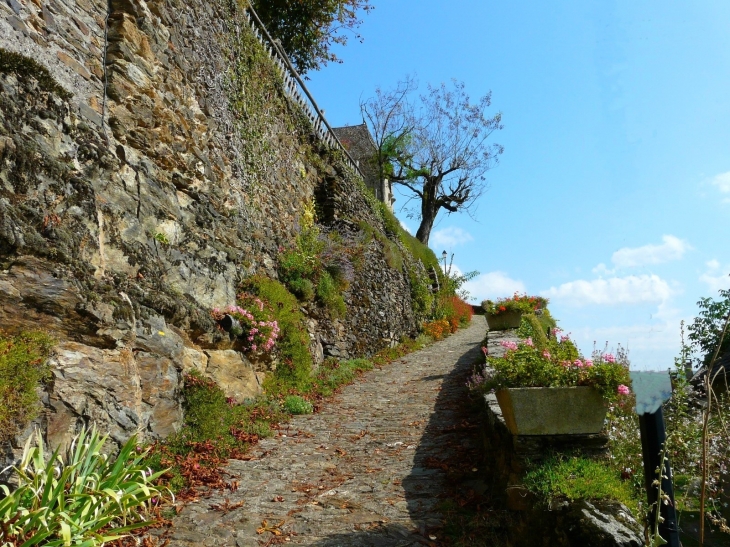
[{"x": 613, "y": 193}]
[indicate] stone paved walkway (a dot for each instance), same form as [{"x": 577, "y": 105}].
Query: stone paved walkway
[{"x": 358, "y": 473}]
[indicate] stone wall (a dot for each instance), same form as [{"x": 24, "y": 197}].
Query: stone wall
[{"x": 135, "y": 195}]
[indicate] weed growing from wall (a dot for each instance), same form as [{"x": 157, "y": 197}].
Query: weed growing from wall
[
  {"x": 15, "y": 63},
  {"x": 258, "y": 100},
  {"x": 318, "y": 265},
  {"x": 294, "y": 370},
  {"x": 22, "y": 368}
]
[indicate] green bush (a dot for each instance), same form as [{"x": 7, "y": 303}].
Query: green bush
[
  {"x": 577, "y": 478},
  {"x": 86, "y": 498},
  {"x": 22, "y": 368},
  {"x": 294, "y": 404}
]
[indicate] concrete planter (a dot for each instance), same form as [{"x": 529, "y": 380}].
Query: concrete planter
[
  {"x": 505, "y": 320},
  {"x": 552, "y": 410}
]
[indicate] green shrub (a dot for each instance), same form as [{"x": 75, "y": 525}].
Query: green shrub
[
  {"x": 422, "y": 297},
  {"x": 577, "y": 478},
  {"x": 294, "y": 404},
  {"x": 86, "y": 498},
  {"x": 329, "y": 295},
  {"x": 302, "y": 260},
  {"x": 22, "y": 368},
  {"x": 295, "y": 368},
  {"x": 302, "y": 288},
  {"x": 531, "y": 327},
  {"x": 214, "y": 428}
]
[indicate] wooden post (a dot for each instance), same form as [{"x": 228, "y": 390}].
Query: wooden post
[{"x": 653, "y": 437}]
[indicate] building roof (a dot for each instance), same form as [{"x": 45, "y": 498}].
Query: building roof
[
  {"x": 357, "y": 140},
  {"x": 359, "y": 143}
]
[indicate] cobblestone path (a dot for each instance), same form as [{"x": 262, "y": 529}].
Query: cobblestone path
[{"x": 358, "y": 473}]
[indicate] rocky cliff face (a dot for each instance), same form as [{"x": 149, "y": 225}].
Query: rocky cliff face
[{"x": 149, "y": 161}]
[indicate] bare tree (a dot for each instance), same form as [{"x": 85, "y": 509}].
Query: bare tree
[{"x": 436, "y": 146}]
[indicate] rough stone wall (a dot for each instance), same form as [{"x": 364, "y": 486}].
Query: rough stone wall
[{"x": 126, "y": 215}]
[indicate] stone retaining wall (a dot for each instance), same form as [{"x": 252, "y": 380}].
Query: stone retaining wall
[{"x": 135, "y": 195}]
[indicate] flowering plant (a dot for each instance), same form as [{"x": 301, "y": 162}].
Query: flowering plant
[
  {"x": 517, "y": 302},
  {"x": 253, "y": 323},
  {"x": 557, "y": 363}
]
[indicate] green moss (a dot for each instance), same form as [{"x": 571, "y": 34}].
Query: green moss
[
  {"x": 21, "y": 66},
  {"x": 22, "y": 368}
]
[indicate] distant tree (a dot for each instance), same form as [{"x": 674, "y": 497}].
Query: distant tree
[
  {"x": 435, "y": 146},
  {"x": 307, "y": 29}
]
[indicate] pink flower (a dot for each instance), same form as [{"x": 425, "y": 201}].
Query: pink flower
[
  {"x": 623, "y": 390},
  {"x": 484, "y": 350},
  {"x": 546, "y": 354},
  {"x": 529, "y": 342},
  {"x": 509, "y": 344},
  {"x": 565, "y": 363},
  {"x": 588, "y": 363},
  {"x": 578, "y": 363},
  {"x": 564, "y": 338},
  {"x": 253, "y": 347},
  {"x": 609, "y": 358}
]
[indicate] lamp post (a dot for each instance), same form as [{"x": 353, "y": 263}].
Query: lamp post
[{"x": 444, "y": 255}]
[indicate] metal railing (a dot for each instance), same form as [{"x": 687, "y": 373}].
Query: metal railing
[{"x": 294, "y": 87}]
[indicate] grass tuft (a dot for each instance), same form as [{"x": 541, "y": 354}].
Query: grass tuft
[{"x": 577, "y": 478}]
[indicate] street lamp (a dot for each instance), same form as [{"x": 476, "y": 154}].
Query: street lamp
[{"x": 444, "y": 255}]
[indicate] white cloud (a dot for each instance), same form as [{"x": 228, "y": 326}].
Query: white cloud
[
  {"x": 493, "y": 285},
  {"x": 715, "y": 277},
  {"x": 405, "y": 227},
  {"x": 449, "y": 237},
  {"x": 722, "y": 181},
  {"x": 672, "y": 248},
  {"x": 601, "y": 269},
  {"x": 632, "y": 289}
]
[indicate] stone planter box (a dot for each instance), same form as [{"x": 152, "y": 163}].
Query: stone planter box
[
  {"x": 505, "y": 320},
  {"x": 552, "y": 410}
]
